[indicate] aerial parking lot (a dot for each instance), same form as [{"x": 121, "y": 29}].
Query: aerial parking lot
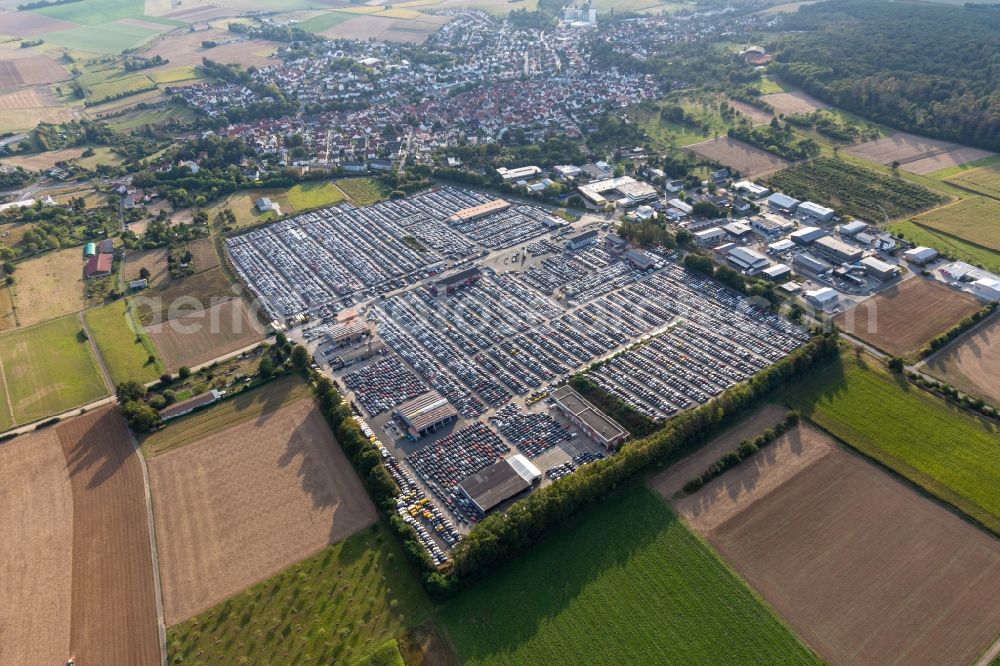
[{"x": 469, "y": 311}]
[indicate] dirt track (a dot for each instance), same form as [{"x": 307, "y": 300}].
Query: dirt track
[
  {"x": 114, "y": 605},
  {"x": 36, "y": 551},
  {"x": 866, "y": 570},
  {"x": 248, "y": 502}
]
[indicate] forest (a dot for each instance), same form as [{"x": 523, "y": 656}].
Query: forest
[{"x": 929, "y": 69}]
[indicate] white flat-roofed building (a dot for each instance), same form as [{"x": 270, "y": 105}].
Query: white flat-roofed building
[
  {"x": 629, "y": 192},
  {"x": 776, "y": 272},
  {"x": 568, "y": 171},
  {"x": 518, "y": 173},
  {"x": 751, "y": 189},
  {"x": 987, "y": 289},
  {"x": 680, "y": 205},
  {"x": 814, "y": 210},
  {"x": 771, "y": 226},
  {"x": 822, "y": 298},
  {"x": 709, "y": 236},
  {"x": 920, "y": 255},
  {"x": 737, "y": 229},
  {"x": 746, "y": 259}
]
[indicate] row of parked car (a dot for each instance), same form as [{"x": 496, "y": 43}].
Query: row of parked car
[
  {"x": 533, "y": 433},
  {"x": 384, "y": 384}
]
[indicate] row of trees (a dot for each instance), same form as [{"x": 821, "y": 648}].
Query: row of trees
[
  {"x": 940, "y": 341},
  {"x": 732, "y": 278},
  {"x": 747, "y": 448}
]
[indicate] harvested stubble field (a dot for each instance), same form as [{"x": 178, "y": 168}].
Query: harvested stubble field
[
  {"x": 752, "y": 113},
  {"x": 793, "y": 103},
  {"x": 246, "y": 503},
  {"x": 50, "y": 286},
  {"x": 253, "y": 404},
  {"x": 944, "y": 450},
  {"x": 6, "y": 309},
  {"x": 184, "y": 48},
  {"x": 887, "y": 320},
  {"x": 972, "y": 363},
  {"x": 200, "y": 336},
  {"x": 36, "y": 557},
  {"x": 114, "y": 605},
  {"x": 49, "y": 368},
  {"x": 976, "y": 219},
  {"x": 747, "y": 159},
  {"x": 29, "y": 24},
  {"x": 203, "y": 253},
  {"x": 626, "y": 584},
  {"x": 866, "y": 569},
  {"x": 916, "y": 154},
  {"x": 26, "y": 107},
  {"x": 388, "y": 28},
  {"x": 155, "y": 261},
  {"x": 43, "y": 161},
  {"x": 984, "y": 179},
  {"x": 28, "y": 68}
]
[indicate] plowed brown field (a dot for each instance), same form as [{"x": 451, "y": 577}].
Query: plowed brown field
[
  {"x": 75, "y": 563},
  {"x": 865, "y": 569},
  {"x": 114, "y": 603},
  {"x": 243, "y": 504}
]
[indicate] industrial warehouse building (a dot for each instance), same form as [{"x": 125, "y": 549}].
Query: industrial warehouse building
[
  {"x": 639, "y": 259},
  {"x": 807, "y": 235},
  {"x": 810, "y": 263},
  {"x": 625, "y": 192},
  {"x": 750, "y": 189},
  {"x": 879, "y": 269},
  {"x": 709, "y": 236},
  {"x": 822, "y": 298},
  {"x": 490, "y": 487},
  {"x": 426, "y": 413},
  {"x": 777, "y": 272},
  {"x": 771, "y": 226},
  {"x": 782, "y": 203},
  {"x": 517, "y": 174},
  {"x": 745, "y": 259},
  {"x": 450, "y": 283},
  {"x": 583, "y": 240},
  {"x": 920, "y": 255},
  {"x": 814, "y": 210},
  {"x": 851, "y": 228},
  {"x": 837, "y": 250},
  {"x": 476, "y": 212},
  {"x": 594, "y": 422},
  {"x": 347, "y": 332}
]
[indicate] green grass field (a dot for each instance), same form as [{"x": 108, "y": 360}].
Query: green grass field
[
  {"x": 50, "y": 368},
  {"x": 314, "y": 195},
  {"x": 95, "y": 12},
  {"x": 975, "y": 219},
  {"x": 627, "y": 584},
  {"x": 665, "y": 133},
  {"x": 159, "y": 116},
  {"x": 102, "y": 155},
  {"x": 109, "y": 38},
  {"x": 954, "y": 246},
  {"x": 325, "y": 21},
  {"x": 116, "y": 87},
  {"x": 185, "y": 73},
  {"x": 250, "y": 405},
  {"x": 329, "y": 609},
  {"x": 6, "y": 419},
  {"x": 983, "y": 179},
  {"x": 363, "y": 191},
  {"x": 386, "y": 654},
  {"x": 940, "y": 448},
  {"x": 125, "y": 356}
]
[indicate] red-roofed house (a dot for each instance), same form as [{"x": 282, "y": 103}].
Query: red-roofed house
[{"x": 98, "y": 265}]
